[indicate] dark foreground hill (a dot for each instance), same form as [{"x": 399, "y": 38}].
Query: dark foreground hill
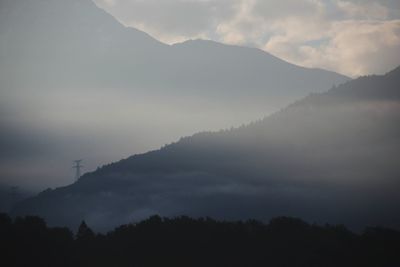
[
  {"x": 329, "y": 157},
  {"x": 184, "y": 241}
]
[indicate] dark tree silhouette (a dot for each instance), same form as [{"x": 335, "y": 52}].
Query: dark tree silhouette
[
  {"x": 184, "y": 241},
  {"x": 84, "y": 232}
]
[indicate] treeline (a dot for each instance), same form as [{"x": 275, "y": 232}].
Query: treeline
[{"x": 204, "y": 242}]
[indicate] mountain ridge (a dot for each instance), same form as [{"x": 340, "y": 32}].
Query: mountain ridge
[
  {"x": 320, "y": 158},
  {"x": 107, "y": 36}
]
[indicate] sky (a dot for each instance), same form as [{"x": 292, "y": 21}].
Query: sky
[{"x": 352, "y": 37}]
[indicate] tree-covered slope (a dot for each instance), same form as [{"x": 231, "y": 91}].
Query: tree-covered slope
[{"x": 328, "y": 157}]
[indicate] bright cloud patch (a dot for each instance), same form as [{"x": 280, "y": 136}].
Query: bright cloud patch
[{"x": 351, "y": 47}]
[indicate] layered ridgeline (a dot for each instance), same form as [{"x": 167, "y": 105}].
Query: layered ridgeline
[
  {"x": 75, "y": 83},
  {"x": 74, "y": 43},
  {"x": 330, "y": 157}
]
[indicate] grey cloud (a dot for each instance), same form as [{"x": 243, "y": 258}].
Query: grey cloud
[
  {"x": 271, "y": 10},
  {"x": 176, "y": 17}
]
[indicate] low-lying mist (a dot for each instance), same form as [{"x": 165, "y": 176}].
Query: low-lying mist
[{"x": 43, "y": 132}]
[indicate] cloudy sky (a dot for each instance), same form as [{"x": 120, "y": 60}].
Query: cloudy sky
[{"x": 353, "y": 37}]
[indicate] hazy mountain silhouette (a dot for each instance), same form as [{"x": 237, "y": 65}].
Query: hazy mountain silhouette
[
  {"x": 75, "y": 43},
  {"x": 329, "y": 157},
  {"x": 11, "y": 195},
  {"x": 75, "y": 81}
]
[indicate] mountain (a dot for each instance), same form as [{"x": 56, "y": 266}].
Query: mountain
[
  {"x": 78, "y": 84},
  {"x": 329, "y": 157},
  {"x": 75, "y": 43}
]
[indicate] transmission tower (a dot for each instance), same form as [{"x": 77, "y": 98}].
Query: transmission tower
[{"x": 77, "y": 167}]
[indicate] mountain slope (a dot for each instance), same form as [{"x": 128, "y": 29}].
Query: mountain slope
[
  {"x": 75, "y": 42},
  {"x": 328, "y": 157}
]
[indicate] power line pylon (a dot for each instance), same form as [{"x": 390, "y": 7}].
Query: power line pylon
[{"x": 77, "y": 167}]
